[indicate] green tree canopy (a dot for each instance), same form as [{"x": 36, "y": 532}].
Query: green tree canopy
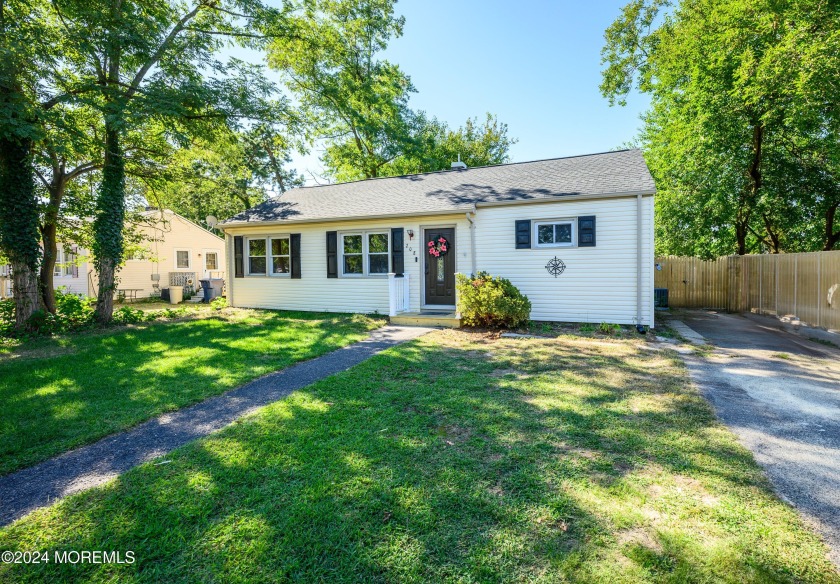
[{"x": 742, "y": 134}]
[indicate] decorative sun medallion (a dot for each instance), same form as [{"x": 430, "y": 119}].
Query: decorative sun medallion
[{"x": 555, "y": 267}]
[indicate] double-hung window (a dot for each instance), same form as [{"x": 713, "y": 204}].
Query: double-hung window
[
  {"x": 182, "y": 259},
  {"x": 65, "y": 262},
  {"x": 365, "y": 254},
  {"x": 257, "y": 256},
  {"x": 269, "y": 256},
  {"x": 281, "y": 258},
  {"x": 555, "y": 233}
]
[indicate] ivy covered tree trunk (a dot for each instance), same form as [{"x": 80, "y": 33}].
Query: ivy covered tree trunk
[
  {"x": 108, "y": 225},
  {"x": 19, "y": 225}
]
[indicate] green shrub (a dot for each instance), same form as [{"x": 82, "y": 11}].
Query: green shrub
[
  {"x": 74, "y": 312},
  {"x": 7, "y": 317},
  {"x": 43, "y": 322},
  {"x": 491, "y": 302},
  {"x": 587, "y": 327},
  {"x": 128, "y": 315},
  {"x": 219, "y": 303},
  {"x": 607, "y": 328}
]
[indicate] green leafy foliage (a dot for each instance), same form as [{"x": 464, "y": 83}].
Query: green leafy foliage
[
  {"x": 742, "y": 133},
  {"x": 219, "y": 303},
  {"x": 487, "y": 301}
]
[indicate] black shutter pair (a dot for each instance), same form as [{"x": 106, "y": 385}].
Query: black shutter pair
[
  {"x": 239, "y": 255},
  {"x": 397, "y": 254},
  {"x": 586, "y": 232}
]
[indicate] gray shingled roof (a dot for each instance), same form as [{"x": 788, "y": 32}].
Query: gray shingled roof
[{"x": 622, "y": 171}]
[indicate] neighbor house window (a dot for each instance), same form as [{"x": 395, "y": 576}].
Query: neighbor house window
[
  {"x": 211, "y": 260},
  {"x": 182, "y": 259},
  {"x": 65, "y": 263},
  {"x": 556, "y": 233},
  {"x": 257, "y": 256},
  {"x": 281, "y": 259},
  {"x": 365, "y": 254}
]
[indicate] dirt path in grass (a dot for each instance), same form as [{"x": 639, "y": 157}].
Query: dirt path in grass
[{"x": 40, "y": 485}]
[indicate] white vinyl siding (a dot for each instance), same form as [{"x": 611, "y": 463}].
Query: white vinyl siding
[
  {"x": 598, "y": 284},
  {"x": 315, "y": 292}
]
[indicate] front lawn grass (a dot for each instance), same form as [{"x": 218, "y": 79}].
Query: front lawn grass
[
  {"x": 457, "y": 457},
  {"x": 63, "y": 392}
]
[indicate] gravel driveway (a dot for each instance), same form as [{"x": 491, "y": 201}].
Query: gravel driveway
[{"x": 780, "y": 393}]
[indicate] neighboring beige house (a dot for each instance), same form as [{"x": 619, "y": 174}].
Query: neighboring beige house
[{"x": 174, "y": 248}]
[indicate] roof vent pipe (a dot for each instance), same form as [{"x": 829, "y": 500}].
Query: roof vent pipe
[{"x": 458, "y": 165}]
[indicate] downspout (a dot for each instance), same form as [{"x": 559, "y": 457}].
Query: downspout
[
  {"x": 639, "y": 265},
  {"x": 472, "y": 240}
]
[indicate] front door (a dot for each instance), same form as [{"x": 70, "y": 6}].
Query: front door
[{"x": 440, "y": 266}]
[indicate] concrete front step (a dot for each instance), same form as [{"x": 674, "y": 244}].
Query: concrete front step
[{"x": 439, "y": 319}]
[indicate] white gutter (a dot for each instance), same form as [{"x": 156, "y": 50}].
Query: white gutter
[{"x": 472, "y": 240}]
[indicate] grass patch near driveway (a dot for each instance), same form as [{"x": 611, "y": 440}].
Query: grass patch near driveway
[
  {"x": 59, "y": 393},
  {"x": 456, "y": 457}
]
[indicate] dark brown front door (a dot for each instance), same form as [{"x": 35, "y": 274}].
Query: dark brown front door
[{"x": 440, "y": 271}]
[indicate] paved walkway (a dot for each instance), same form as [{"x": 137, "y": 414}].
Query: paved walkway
[
  {"x": 40, "y": 485},
  {"x": 780, "y": 393}
]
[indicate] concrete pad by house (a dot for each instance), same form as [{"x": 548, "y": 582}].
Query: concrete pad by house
[{"x": 780, "y": 394}]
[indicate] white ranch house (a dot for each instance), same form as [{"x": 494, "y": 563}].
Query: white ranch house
[{"x": 574, "y": 234}]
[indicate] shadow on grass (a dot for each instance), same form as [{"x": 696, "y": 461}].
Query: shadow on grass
[
  {"x": 99, "y": 384},
  {"x": 428, "y": 463}
]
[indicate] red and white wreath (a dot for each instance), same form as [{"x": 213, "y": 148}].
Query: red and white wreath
[{"x": 438, "y": 247}]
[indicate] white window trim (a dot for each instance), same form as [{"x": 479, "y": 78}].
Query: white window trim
[
  {"x": 269, "y": 261},
  {"x": 247, "y": 256},
  {"x": 65, "y": 270},
  {"x": 175, "y": 259},
  {"x": 535, "y": 230},
  {"x": 365, "y": 253}
]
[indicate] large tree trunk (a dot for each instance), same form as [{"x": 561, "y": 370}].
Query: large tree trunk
[
  {"x": 25, "y": 286},
  {"x": 49, "y": 236},
  {"x": 831, "y": 237},
  {"x": 108, "y": 226},
  {"x": 50, "y": 245},
  {"x": 19, "y": 225}
]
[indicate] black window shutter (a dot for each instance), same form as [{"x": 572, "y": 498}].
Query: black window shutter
[
  {"x": 238, "y": 260},
  {"x": 294, "y": 245},
  {"x": 586, "y": 231},
  {"x": 397, "y": 254},
  {"x": 332, "y": 254},
  {"x": 523, "y": 234}
]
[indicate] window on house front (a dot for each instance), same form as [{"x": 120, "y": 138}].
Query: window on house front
[
  {"x": 377, "y": 253},
  {"x": 365, "y": 254},
  {"x": 353, "y": 254},
  {"x": 281, "y": 259},
  {"x": 256, "y": 256},
  {"x": 211, "y": 260},
  {"x": 182, "y": 259},
  {"x": 556, "y": 233}
]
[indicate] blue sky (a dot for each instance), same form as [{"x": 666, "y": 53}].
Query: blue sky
[{"x": 536, "y": 64}]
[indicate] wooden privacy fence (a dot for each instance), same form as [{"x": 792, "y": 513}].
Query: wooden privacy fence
[{"x": 804, "y": 285}]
